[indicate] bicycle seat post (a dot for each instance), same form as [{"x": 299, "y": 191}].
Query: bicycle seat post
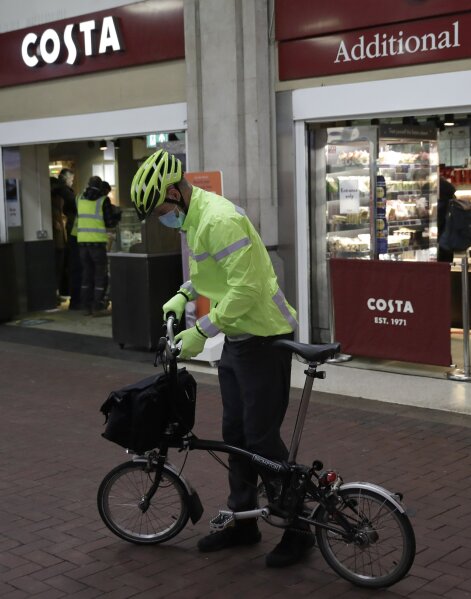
[{"x": 311, "y": 373}]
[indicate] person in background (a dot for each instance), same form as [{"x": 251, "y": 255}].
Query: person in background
[
  {"x": 446, "y": 192},
  {"x": 72, "y": 265},
  {"x": 94, "y": 216},
  {"x": 59, "y": 233},
  {"x": 230, "y": 265}
]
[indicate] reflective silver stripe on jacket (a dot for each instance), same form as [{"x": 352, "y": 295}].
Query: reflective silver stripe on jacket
[
  {"x": 231, "y": 248},
  {"x": 199, "y": 257},
  {"x": 89, "y": 230},
  {"x": 208, "y": 327},
  {"x": 239, "y": 210},
  {"x": 280, "y": 301},
  {"x": 91, "y": 216},
  {"x": 188, "y": 287}
]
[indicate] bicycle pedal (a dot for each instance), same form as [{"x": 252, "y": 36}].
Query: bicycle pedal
[{"x": 222, "y": 520}]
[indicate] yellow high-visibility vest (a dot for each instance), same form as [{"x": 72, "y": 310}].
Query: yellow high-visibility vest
[{"x": 89, "y": 221}]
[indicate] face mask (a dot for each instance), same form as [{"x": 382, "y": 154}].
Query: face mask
[{"x": 172, "y": 219}]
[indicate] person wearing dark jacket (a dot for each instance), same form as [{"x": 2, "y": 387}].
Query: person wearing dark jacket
[
  {"x": 72, "y": 269},
  {"x": 446, "y": 193},
  {"x": 94, "y": 216}
]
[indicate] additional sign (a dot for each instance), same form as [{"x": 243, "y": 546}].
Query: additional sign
[
  {"x": 129, "y": 35},
  {"x": 393, "y": 310},
  {"x": 310, "y": 18},
  {"x": 13, "y": 206},
  {"x": 349, "y": 195},
  {"x": 414, "y": 42}
]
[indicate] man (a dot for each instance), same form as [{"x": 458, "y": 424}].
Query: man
[
  {"x": 72, "y": 266},
  {"x": 94, "y": 215},
  {"x": 230, "y": 265}
]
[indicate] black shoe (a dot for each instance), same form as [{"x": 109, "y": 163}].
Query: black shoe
[
  {"x": 230, "y": 537},
  {"x": 294, "y": 545}
]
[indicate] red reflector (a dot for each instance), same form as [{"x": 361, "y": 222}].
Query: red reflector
[{"x": 331, "y": 477}]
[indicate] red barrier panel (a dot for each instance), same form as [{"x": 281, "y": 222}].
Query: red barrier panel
[{"x": 393, "y": 310}]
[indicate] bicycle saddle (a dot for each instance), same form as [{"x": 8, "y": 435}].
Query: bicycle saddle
[{"x": 310, "y": 353}]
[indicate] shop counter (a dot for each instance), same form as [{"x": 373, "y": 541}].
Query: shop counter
[{"x": 8, "y": 290}]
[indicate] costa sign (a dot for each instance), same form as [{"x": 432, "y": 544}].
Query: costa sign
[
  {"x": 415, "y": 42},
  {"x": 47, "y": 48},
  {"x": 393, "y": 310},
  {"x": 134, "y": 34}
]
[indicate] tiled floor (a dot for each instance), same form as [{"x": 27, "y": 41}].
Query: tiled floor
[
  {"x": 382, "y": 380},
  {"x": 53, "y": 544}
]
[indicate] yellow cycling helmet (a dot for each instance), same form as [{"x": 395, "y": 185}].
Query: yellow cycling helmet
[{"x": 149, "y": 185}]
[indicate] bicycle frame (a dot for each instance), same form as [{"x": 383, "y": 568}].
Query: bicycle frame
[{"x": 277, "y": 469}]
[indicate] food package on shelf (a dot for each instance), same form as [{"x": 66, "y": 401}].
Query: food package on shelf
[{"x": 337, "y": 244}]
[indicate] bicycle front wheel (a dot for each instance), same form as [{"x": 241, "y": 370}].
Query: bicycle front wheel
[
  {"x": 381, "y": 548},
  {"x": 121, "y": 504}
]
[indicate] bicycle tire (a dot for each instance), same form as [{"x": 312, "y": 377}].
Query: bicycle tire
[
  {"x": 119, "y": 498},
  {"x": 384, "y": 549}
]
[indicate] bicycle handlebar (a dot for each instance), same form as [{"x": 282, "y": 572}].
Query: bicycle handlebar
[{"x": 171, "y": 320}]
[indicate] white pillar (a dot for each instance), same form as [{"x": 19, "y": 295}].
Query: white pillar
[{"x": 230, "y": 108}]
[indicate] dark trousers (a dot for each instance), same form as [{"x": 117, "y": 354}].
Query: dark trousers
[
  {"x": 255, "y": 380},
  {"x": 94, "y": 265}
]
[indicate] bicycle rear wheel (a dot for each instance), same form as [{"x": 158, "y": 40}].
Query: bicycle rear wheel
[
  {"x": 381, "y": 549},
  {"x": 120, "y": 504}
]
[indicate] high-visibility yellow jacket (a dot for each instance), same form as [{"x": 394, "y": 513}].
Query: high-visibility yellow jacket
[
  {"x": 229, "y": 264},
  {"x": 89, "y": 220}
]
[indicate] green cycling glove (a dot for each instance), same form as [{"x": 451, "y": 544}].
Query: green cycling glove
[
  {"x": 175, "y": 304},
  {"x": 192, "y": 343}
]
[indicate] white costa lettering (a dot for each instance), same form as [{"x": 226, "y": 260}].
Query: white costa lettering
[
  {"x": 382, "y": 45},
  {"x": 390, "y": 305},
  {"x": 47, "y": 48}
]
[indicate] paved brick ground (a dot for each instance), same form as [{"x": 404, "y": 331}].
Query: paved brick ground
[{"x": 53, "y": 544}]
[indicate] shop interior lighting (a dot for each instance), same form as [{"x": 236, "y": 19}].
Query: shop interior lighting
[
  {"x": 449, "y": 120},
  {"x": 103, "y": 145}
]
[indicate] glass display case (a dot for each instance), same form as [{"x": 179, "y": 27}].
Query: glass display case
[
  {"x": 408, "y": 166},
  {"x": 381, "y": 192},
  {"x": 129, "y": 231},
  {"x": 348, "y": 189}
]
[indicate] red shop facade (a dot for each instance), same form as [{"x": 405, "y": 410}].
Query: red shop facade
[{"x": 372, "y": 102}]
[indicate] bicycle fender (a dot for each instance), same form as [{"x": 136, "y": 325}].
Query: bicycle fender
[
  {"x": 193, "y": 500},
  {"x": 194, "y": 503},
  {"x": 377, "y": 489}
]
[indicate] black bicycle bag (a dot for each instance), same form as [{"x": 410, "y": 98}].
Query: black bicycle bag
[{"x": 138, "y": 415}]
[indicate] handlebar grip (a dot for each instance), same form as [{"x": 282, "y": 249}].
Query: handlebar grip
[{"x": 171, "y": 320}]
